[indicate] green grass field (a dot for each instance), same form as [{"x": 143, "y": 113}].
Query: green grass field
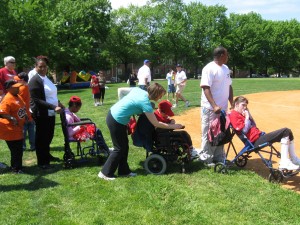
[{"x": 78, "y": 196}]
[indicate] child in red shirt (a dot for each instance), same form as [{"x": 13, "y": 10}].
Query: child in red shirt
[
  {"x": 95, "y": 89},
  {"x": 163, "y": 114}
]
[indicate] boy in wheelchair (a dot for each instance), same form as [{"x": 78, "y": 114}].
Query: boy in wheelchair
[
  {"x": 164, "y": 113},
  {"x": 83, "y": 132},
  {"x": 242, "y": 121}
]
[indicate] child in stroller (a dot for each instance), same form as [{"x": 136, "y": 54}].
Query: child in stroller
[{"x": 242, "y": 121}]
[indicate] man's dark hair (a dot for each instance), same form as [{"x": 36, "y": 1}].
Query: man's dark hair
[{"x": 219, "y": 51}]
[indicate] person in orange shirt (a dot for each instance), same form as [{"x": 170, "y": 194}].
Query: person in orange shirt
[
  {"x": 29, "y": 126},
  {"x": 13, "y": 115}
]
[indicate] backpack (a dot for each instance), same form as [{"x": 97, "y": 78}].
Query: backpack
[{"x": 219, "y": 130}]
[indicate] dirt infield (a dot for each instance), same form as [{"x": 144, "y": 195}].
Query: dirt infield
[{"x": 271, "y": 110}]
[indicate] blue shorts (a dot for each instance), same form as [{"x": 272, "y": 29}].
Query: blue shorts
[{"x": 171, "y": 88}]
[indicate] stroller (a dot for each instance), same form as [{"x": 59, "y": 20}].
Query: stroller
[
  {"x": 97, "y": 147},
  {"x": 242, "y": 157},
  {"x": 162, "y": 146}
]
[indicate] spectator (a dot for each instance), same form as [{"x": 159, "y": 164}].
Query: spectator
[
  {"x": 216, "y": 92},
  {"x": 171, "y": 80},
  {"x": 180, "y": 82},
  {"x": 133, "y": 79},
  {"x": 242, "y": 121},
  {"x": 144, "y": 75},
  {"x": 13, "y": 114},
  {"x": 29, "y": 126},
  {"x": 43, "y": 104},
  {"x": 95, "y": 90},
  {"x": 137, "y": 101},
  {"x": 102, "y": 82},
  {"x": 7, "y": 73}
]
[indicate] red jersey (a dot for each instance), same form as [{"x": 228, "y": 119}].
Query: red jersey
[
  {"x": 237, "y": 120},
  {"x": 95, "y": 85},
  {"x": 5, "y": 75},
  {"x": 13, "y": 106},
  {"x": 160, "y": 118}
]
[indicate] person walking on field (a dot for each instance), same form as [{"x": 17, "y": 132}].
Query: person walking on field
[
  {"x": 216, "y": 92},
  {"x": 180, "y": 81},
  {"x": 144, "y": 75},
  {"x": 95, "y": 90},
  {"x": 102, "y": 82}
]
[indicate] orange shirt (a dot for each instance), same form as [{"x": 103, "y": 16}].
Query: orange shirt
[
  {"x": 13, "y": 106},
  {"x": 25, "y": 94}
]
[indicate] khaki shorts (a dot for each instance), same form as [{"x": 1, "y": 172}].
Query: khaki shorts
[{"x": 180, "y": 88}]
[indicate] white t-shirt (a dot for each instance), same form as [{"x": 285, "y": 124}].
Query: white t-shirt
[
  {"x": 50, "y": 93},
  {"x": 219, "y": 80},
  {"x": 31, "y": 74},
  {"x": 144, "y": 72},
  {"x": 169, "y": 78},
  {"x": 180, "y": 76}
]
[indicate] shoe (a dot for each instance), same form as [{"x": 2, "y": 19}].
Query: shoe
[
  {"x": 96, "y": 104},
  {"x": 131, "y": 174},
  {"x": 174, "y": 106},
  {"x": 187, "y": 104},
  {"x": 194, "y": 153},
  {"x": 288, "y": 165},
  {"x": 203, "y": 156},
  {"x": 3, "y": 166},
  {"x": 296, "y": 161},
  {"x": 54, "y": 159},
  {"x": 102, "y": 176}
]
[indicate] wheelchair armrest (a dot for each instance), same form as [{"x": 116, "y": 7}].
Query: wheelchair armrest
[
  {"x": 84, "y": 119},
  {"x": 80, "y": 123}
]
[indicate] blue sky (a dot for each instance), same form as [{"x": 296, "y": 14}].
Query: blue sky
[{"x": 268, "y": 9}]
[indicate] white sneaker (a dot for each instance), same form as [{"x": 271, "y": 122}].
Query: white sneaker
[
  {"x": 96, "y": 104},
  {"x": 174, "y": 106},
  {"x": 102, "y": 176},
  {"x": 194, "y": 152},
  {"x": 288, "y": 165},
  {"x": 187, "y": 104}
]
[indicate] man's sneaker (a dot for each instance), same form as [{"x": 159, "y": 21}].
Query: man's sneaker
[
  {"x": 194, "y": 153},
  {"x": 187, "y": 104},
  {"x": 102, "y": 176},
  {"x": 18, "y": 172},
  {"x": 3, "y": 166},
  {"x": 288, "y": 165},
  {"x": 96, "y": 104},
  {"x": 174, "y": 106}
]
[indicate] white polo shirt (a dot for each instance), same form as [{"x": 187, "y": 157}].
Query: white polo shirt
[{"x": 144, "y": 72}]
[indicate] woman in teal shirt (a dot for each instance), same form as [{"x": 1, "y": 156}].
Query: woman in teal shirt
[{"x": 137, "y": 101}]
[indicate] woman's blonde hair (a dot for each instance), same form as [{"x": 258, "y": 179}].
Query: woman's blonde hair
[{"x": 155, "y": 91}]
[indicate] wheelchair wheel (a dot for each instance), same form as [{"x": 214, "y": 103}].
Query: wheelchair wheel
[
  {"x": 220, "y": 168},
  {"x": 275, "y": 176},
  {"x": 241, "y": 161},
  {"x": 155, "y": 164},
  {"x": 69, "y": 159}
]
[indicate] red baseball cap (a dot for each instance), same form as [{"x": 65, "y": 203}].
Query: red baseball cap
[
  {"x": 165, "y": 106},
  {"x": 75, "y": 99}
]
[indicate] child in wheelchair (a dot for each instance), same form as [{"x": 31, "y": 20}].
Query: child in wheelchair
[
  {"x": 242, "y": 121},
  {"x": 83, "y": 132},
  {"x": 164, "y": 113}
]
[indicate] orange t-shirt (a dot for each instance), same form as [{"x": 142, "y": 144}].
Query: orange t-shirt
[
  {"x": 13, "y": 106},
  {"x": 25, "y": 94}
]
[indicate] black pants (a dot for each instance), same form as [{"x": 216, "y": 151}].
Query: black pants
[
  {"x": 117, "y": 158},
  {"x": 16, "y": 153},
  {"x": 100, "y": 140},
  {"x": 274, "y": 136},
  {"x": 102, "y": 93},
  {"x": 43, "y": 138}
]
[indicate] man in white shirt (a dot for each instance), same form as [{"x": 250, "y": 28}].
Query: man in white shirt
[
  {"x": 144, "y": 75},
  {"x": 180, "y": 81},
  {"x": 216, "y": 92}
]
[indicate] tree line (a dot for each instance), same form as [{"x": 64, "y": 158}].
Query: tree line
[{"x": 88, "y": 34}]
